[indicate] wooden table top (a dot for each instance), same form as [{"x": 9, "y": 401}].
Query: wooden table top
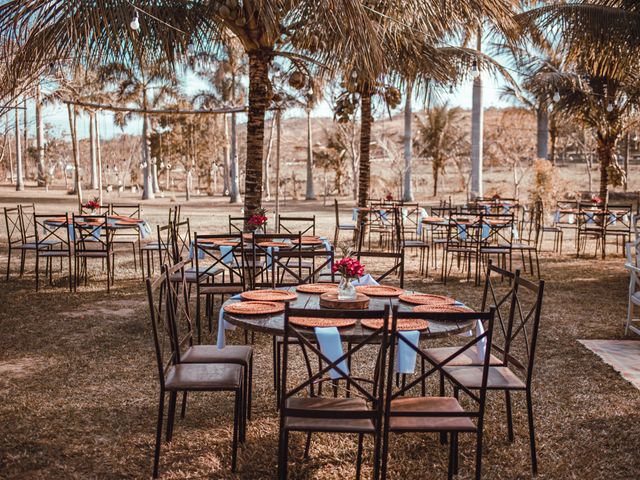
[{"x": 274, "y": 324}]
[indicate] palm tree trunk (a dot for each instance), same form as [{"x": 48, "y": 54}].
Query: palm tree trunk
[
  {"x": 310, "y": 194},
  {"x": 542, "y": 132},
  {"x": 605, "y": 148},
  {"x": 92, "y": 150},
  {"x": 477, "y": 126},
  {"x": 25, "y": 142},
  {"x": 364, "y": 176},
  {"x": 77, "y": 185},
  {"x": 234, "y": 166},
  {"x": 99, "y": 157},
  {"x": 408, "y": 144},
  {"x": 147, "y": 186},
  {"x": 225, "y": 156},
  {"x": 19, "y": 165},
  {"x": 42, "y": 181},
  {"x": 436, "y": 170},
  {"x": 259, "y": 61},
  {"x": 267, "y": 161}
]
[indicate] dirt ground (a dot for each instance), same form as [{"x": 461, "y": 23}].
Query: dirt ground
[{"x": 79, "y": 387}]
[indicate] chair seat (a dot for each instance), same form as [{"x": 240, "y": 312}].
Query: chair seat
[
  {"x": 415, "y": 244},
  {"x": 54, "y": 253},
  {"x": 191, "y": 275},
  {"x": 34, "y": 245},
  {"x": 495, "y": 249},
  {"x": 471, "y": 356},
  {"x": 93, "y": 253},
  {"x": 201, "y": 376},
  {"x": 346, "y": 226},
  {"x": 317, "y": 424},
  {"x": 237, "y": 354},
  {"x": 296, "y": 262},
  {"x": 155, "y": 246},
  {"x": 523, "y": 246},
  {"x": 429, "y": 424},
  {"x": 500, "y": 378},
  {"x": 220, "y": 289}
]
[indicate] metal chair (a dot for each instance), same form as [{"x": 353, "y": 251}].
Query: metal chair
[
  {"x": 176, "y": 376},
  {"x": 405, "y": 413},
  {"x": 347, "y": 227},
  {"x": 355, "y": 408},
  {"x": 92, "y": 239}
]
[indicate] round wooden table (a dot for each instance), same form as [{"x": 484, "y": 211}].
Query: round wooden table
[{"x": 274, "y": 324}]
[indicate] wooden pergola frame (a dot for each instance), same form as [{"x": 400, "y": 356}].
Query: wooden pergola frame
[{"x": 217, "y": 111}]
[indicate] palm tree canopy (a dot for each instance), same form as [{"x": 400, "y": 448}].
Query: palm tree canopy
[{"x": 602, "y": 36}]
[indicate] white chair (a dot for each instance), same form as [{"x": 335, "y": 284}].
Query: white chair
[{"x": 633, "y": 265}]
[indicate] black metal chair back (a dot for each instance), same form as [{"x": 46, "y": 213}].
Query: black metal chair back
[
  {"x": 370, "y": 388},
  {"x": 13, "y": 223},
  {"x": 236, "y": 224},
  {"x": 524, "y": 324},
  {"x": 161, "y": 328},
  {"x": 438, "y": 368},
  {"x": 293, "y": 225},
  {"x": 209, "y": 260},
  {"x": 181, "y": 243}
]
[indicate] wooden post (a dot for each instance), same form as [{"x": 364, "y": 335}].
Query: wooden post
[
  {"x": 279, "y": 129},
  {"x": 98, "y": 154}
]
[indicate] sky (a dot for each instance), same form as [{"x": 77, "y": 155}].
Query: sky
[{"x": 56, "y": 115}]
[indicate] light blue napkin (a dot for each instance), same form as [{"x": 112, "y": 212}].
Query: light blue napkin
[
  {"x": 589, "y": 216},
  {"x": 227, "y": 256},
  {"x": 224, "y": 325},
  {"x": 200, "y": 251},
  {"x": 462, "y": 232},
  {"x": 331, "y": 347},
  {"x": 613, "y": 218},
  {"x": 365, "y": 280},
  {"x": 384, "y": 217},
  {"x": 354, "y": 215},
  {"x": 482, "y": 344},
  {"x": 486, "y": 231},
  {"x": 506, "y": 209},
  {"x": 406, "y": 356},
  {"x": 556, "y": 217}
]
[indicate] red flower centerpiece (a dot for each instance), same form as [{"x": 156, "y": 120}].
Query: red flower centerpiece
[
  {"x": 349, "y": 269},
  {"x": 596, "y": 200},
  {"x": 92, "y": 205},
  {"x": 258, "y": 221},
  {"x": 389, "y": 197}
]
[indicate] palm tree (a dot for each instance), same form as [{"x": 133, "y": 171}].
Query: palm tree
[
  {"x": 536, "y": 63},
  {"x": 19, "y": 159},
  {"x": 222, "y": 71},
  {"x": 145, "y": 87},
  {"x": 600, "y": 41},
  {"x": 439, "y": 138}
]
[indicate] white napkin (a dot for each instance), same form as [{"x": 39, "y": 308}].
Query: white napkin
[
  {"x": 224, "y": 325},
  {"x": 364, "y": 280}
]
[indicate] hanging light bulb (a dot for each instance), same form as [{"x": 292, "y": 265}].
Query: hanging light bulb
[
  {"x": 310, "y": 91},
  {"x": 610, "y": 107},
  {"x": 52, "y": 68},
  {"x": 354, "y": 74},
  {"x": 556, "y": 96},
  {"x": 450, "y": 89},
  {"x": 191, "y": 49},
  {"x": 135, "y": 23},
  {"x": 474, "y": 69}
]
